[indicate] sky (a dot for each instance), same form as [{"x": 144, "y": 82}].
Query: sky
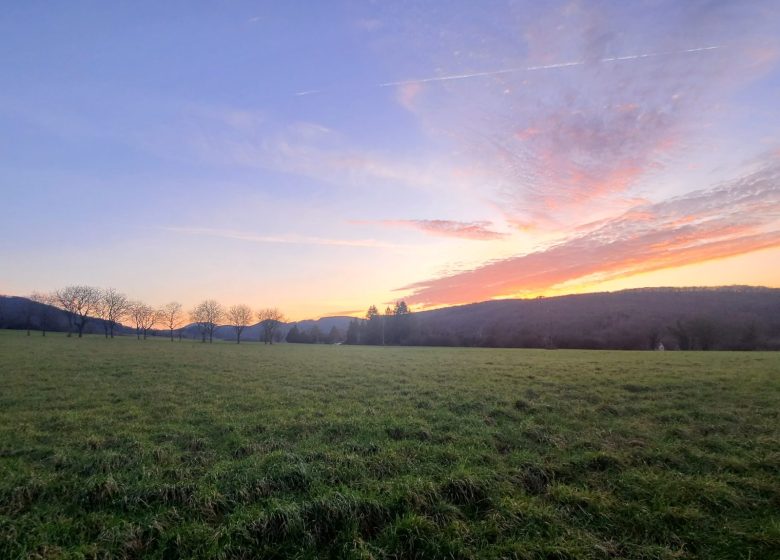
[{"x": 321, "y": 157}]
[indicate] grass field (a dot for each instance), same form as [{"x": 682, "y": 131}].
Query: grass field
[{"x": 153, "y": 449}]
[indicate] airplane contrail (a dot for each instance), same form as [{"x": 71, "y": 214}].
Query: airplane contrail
[{"x": 453, "y": 77}]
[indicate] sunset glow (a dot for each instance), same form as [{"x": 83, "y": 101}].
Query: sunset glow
[{"x": 324, "y": 159}]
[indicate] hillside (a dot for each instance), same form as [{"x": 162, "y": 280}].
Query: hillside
[
  {"x": 734, "y": 317},
  {"x": 255, "y": 332},
  {"x": 15, "y": 310},
  {"x": 22, "y": 313},
  {"x": 726, "y": 317}
]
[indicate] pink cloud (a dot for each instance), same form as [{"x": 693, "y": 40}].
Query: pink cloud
[
  {"x": 728, "y": 220},
  {"x": 567, "y": 158},
  {"x": 407, "y": 94},
  {"x": 480, "y": 230},
  {"x": 564, "y": 145}
]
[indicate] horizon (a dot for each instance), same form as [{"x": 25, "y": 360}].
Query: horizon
[
  {"x": 189, "y": 321},
  {"x": 323, "y": 160}
]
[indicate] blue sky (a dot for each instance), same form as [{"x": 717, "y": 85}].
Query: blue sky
[{"x": 325, "y": 156}]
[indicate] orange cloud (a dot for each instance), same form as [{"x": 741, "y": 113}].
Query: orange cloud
[{"x": 716, "y": 223}]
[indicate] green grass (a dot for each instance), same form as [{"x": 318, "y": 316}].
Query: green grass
[{"x": 152, "y": 449}]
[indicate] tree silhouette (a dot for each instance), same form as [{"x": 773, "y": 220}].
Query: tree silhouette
[
  {"x": 207, "y": 315},
  {"x": 239, "y": 317},
  {"x": 270, "y": 319},
  {"x": 171, "y": 315},
  {"x": 79, "y": 303}
]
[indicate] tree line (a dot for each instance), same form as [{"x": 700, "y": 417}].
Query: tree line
[
  {"x": 81, "y": 305},
  {"x": 314, "y": 335},
  {"x": 731, "y": 318},
  {"x": 734, "y": 318},
  {"x": 394, "y": 326}
]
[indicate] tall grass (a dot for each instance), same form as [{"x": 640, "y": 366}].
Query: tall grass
[{"x": 153, "y": 449}]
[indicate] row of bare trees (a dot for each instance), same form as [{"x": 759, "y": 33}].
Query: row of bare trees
[
  {"x": 209, "y": 314},
  {"x": 82, "y": 304}
]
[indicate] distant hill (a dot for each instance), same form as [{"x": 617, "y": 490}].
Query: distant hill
[
  {"x": 733, "y": 317},
  {"x": 15, "y": 312},
  {"x": 726, "y": 317},
  {"x": 254, "y": 332}
]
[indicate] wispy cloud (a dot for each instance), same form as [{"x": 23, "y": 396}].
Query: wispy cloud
[
  {"x": 734, "y": 218},
  {"x": 570, "y": 157},
  {"x": 290, "y": 239},
  {"x": 347, "y": 312},
  {"x": 235, "y": 137},
  {"x": 480, "y": 230},
  {"x": 591, "y": 106}
]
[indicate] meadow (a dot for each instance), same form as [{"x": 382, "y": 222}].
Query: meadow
[{"x": 151, "y": 449}]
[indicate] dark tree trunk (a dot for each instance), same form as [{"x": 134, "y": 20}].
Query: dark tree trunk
[{"x": 81, "y": 322}]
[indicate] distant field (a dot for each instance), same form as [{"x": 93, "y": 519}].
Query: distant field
[{"x": 153, "y": 449}]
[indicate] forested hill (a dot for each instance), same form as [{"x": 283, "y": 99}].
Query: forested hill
[
  {"x": 735, "y": 317},
  {"x": 697, "y": 318}
]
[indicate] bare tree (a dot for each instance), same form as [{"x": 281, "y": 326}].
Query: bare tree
[
  {"x": 171, "y": 316},
  {"x": 151, "y": 318},
  {"x": 239, "y": 317},
  {"x": 45, "y": 309},
  {"x": 135, "y": 313},
  {"x": 78, "y": 303},
  {"x": 195, "y": 316},
  {"x": 207, "y": 315},
  {"x": 270, "y": 318},
  {"x": 113, "y": 306},
  {"x": 144, "y": 318}
]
